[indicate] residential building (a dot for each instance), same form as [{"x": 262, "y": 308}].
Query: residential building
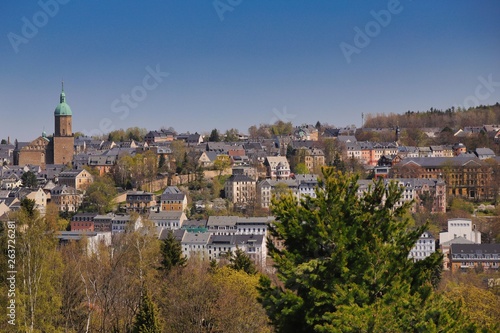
[
  {"x": 425, "y": 246},
  {"x": 83, "y": 222},
  {"x": 222, "y": 225},
  {"x": 446, "y": 248},
  {"x": 173, "y": 199},
  {"x": 102, "y": 163},
  {"x": 140, "y": 201},
  {"x": 240, "y": 189},
  {"x": 171, "y": 220},
  {"x": 195, "y": 244},
  {"x": 220, "y": 246},
  {"x": 269, "y": 187},
  {"x": 464, "y": 176},
  {"x": 79, "y": 179},
  {"x": 40, "y": 199},
  {"x": 125, "y": 223},
  {"x": 277, "y": 167},
  {"x": 253, "y": 225},
  {"x": 94, "y": 239},
  {"x": 475, "y": 256},
  {"x": 67, "y": 198}
]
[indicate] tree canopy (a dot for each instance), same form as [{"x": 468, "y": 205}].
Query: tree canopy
[
  {"x": 29, "y": 179},
  {"x": 345, "y": 268}
]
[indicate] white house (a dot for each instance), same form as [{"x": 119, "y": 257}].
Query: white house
[
  {"x": 165, "y": 219},
  {"x": 425, "y": 246}
]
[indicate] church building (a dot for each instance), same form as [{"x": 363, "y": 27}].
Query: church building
[{"x": 57, "y": 149}]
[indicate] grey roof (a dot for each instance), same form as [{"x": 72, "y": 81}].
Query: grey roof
[
  {"x": 63, "y": 189},
  {"x": 236, "y": 240},
  {"x": 346, "y": 138},
  {"x": 165, "y": 215},
  {"x": 84, "y": 215},
  {"x": 178, "y": 234},
  {"x": 484, "y": 152},
  {"x": 222, "y": 221},
  {"x": 458, "y": 240},
  {"x": 271, "y": 182},
  {"x": 196, "y": 237},
  {"x": 101, "y": 160},
  {"x": 441, "y": 161},
  {"x": 254, "y": 220},
  {"x": 240, "y": 178},
  {"x": 307, "y": 178},
  {"x": 173, "y": 193},
  {"x": 475, "y": 248}
]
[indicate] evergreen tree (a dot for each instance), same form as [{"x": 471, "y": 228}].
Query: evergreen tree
[
  {"x": 214, "y": 136},
  {"x": 29, "y": 180},
  {"x": 171, "y": 253},
  {"x": 345, "y": 265},
  {"x": 240, "y": 261},
  {"x": 146, "y": 319},
  {"x": 161, "y": 161}
]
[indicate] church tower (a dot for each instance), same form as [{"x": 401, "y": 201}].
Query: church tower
[{"x": 63, "y": 141}]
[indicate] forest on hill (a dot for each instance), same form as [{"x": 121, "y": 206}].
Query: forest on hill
[{"x": 454, "y": 118}]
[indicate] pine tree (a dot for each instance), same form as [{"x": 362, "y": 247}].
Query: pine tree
[
  {"x": 146, "y": 319},
  {"x": 171, "y": 252},
  {"x": 240, "y": 261},
  {"x": 345, "y": 265}
]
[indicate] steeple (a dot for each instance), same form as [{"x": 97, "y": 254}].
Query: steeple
[{"x": 62, "y": 98}]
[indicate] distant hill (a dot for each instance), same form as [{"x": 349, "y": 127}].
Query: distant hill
[{"x": 452, "y": 118}]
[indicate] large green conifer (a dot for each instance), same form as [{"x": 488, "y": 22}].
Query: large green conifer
[{"x": 345, "y": 265}]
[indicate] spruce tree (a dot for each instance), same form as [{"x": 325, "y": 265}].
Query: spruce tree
[
  {"x": 345, "y": 265},
  {"x": 171, "y": 252},
  {"x": 146, "y": 319},
  {"x": 240, "y": 261}
]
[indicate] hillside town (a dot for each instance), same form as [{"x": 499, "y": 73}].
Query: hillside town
[
  {"x": 214, "y": 205},
  {"x": 214, "y": 192}
]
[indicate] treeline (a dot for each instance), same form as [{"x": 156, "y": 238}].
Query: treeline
[
  {"x": 137, "y": 284},
  {"x": 453, "y": 118}
]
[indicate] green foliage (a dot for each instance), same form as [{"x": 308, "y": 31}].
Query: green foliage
[
  {"x": 133, "y": 133},
  {"x": 29, "y": 179},
  {"x": 146, "y": 319},
  {"x": 301, "y": 169},
  {"x": 214, "y": 136},
  {"x": 338, "y": 163},
  {"x": 282, "y": 128},
  {"x": 161, "y": 161},
  {"x": 345, "y": 265},
  {"x": 231, "y": 135},
  {"x": 99, "y": 195},
  {"x": 38, "y": 266},
  {"x": 240, "y": 261},
  {"x": 460, "y": 207},
  {"x": 28, "y": 205},
  {"x": 171, "y": 253}
]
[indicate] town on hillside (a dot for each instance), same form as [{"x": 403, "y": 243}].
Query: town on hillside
[{"x": 215, "y": 191}]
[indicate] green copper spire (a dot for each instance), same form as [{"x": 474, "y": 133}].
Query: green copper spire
[{"x": 63, "y": 109}]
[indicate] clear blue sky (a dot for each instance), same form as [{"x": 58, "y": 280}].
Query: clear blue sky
[{"x": 248, "y": 63}]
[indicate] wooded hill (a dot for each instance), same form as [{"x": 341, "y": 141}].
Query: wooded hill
[{"x": 451, "y": 117}]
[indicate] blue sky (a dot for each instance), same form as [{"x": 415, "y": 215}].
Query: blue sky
[{"x": 247, "y": 62}]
